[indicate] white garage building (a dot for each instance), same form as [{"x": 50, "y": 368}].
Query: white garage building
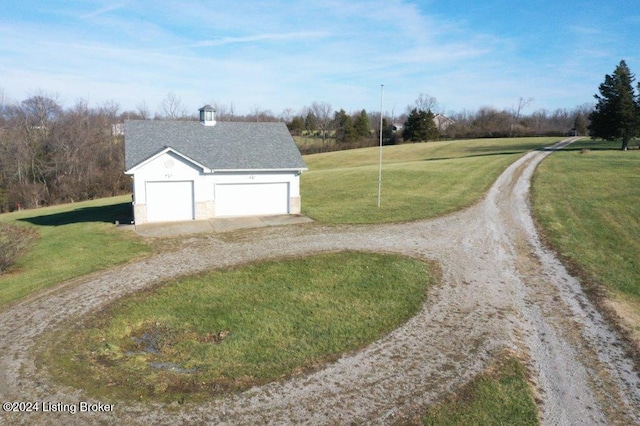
[{"x": 190, "y": 170}]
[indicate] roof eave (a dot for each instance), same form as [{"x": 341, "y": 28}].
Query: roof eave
[
  {"x": 133, "y": 169},
  {"x": 286, "y": 169}
]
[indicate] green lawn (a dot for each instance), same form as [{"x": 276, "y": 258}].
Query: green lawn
[
  {"x": 74, "y": 240},
  {"x": 499, "y": 396},
  {"x": 418, "y": 180},
  {"x": 588, "y": 205},
  {"x": 233, "y": 329}
]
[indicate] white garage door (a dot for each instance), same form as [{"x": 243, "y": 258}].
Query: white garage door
[
  {"x": 252, "y": 199},
  {"x": 169, "y": 201}
]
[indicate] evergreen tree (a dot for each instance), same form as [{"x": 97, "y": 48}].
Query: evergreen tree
[
  {"x": 617, "y": 109},
  {"x": 297, "y": 125},
  {"x": 311, "y": 122},
  {"x": 362, "y": 125},
  {"x": 420, "y": 127},
  {"x": 345, "y": 132}
]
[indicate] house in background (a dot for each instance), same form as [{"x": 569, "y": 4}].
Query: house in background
[
  {"x": 190, "y": 170},
  {"x": 443, "y": 122}
]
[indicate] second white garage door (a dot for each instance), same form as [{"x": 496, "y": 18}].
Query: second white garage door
[{"x": 252, "y": 199}]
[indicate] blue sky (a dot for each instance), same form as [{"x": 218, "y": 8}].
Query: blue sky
[{"x": 272, "y": 55}]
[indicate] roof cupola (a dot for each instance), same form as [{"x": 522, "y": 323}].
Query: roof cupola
[{"x": 207, "y": 115}]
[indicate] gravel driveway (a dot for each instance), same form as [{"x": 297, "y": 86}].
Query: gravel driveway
[{"x": 501, "y": 290}]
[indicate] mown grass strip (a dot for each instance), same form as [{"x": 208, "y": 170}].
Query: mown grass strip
[
  {"x": 587, "y": 200},
  {"x": 419, "y": 180},
  {"x": 499, "y": 396},
  {"x": 228, "y": 330}
]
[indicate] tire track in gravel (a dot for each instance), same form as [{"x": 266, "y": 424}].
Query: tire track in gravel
[{"x": 501, "y": 290}]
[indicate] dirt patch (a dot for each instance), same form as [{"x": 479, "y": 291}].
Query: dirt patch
[{"x": 627, "y": 315}]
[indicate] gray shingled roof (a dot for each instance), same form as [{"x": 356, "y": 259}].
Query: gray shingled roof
[{"x": 225, "y": 146}]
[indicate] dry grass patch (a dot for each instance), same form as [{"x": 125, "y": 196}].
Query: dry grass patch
[{"x": 15, "y": 241}]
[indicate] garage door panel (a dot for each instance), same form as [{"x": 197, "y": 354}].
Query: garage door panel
[
  {"x": 252, "y": 199},
  {"x": 169, "y": 201}
]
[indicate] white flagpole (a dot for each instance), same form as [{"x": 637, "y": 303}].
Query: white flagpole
[{"x": 380, "y": 161}]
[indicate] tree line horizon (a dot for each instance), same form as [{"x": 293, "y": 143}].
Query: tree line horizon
[{"x": 50, "y": 154}]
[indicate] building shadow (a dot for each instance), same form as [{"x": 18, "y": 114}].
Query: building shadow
[
  {"x": 471, "y": 156},
  {"x": 121, "y": 213}
]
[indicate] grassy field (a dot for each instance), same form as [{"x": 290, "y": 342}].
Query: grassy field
[
  {"x": 231, "y": 329},
  {"x": 419, "y": 180},
  {"x": 74, "y": 240},
  {"x": 499, "y": 396},
  {"x": 588, "y": 205}
]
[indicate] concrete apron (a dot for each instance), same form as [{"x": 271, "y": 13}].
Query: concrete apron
[{"x": 169, "y": 229}]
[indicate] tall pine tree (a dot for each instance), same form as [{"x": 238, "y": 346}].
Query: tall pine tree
[
  {"x": 343, "y": 123},
  {"x": 362, "y": 125},
  {"x": 420, "y": 127},
  {"x": 617, "y": 111}
]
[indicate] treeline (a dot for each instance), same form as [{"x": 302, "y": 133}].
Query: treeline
[
  {"x": 50, "y": 154},
  {"x": 489, "y": 122},
  {"x": 322, "y": 129}
]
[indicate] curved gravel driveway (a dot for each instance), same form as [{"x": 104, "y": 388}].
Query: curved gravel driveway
[{"x": 501, "y": 290}]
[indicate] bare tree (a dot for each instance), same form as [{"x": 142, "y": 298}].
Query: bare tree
[
  {"x": 143, "y": 110},
  {"x": 171, "y": 107},
  {"x": 255, "y": 114},
  {"x": 522, "y": 104},
  {"x": 322, "y": 113},
  {"x": 287, "y": 115},
  {"x": 490, "y": 122},
  {"x": 537, "y": 121},
  {"x": 39, "y": 115},
  {"x": 110, "y": 109},
  {"x": 261, "y": 115},
  {"x": 425, "y": 103},
  {"x": 41, "y": 109}
]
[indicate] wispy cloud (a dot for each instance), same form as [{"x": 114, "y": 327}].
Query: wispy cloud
[
  {"x": 279, "y": 54},
  {"x": 584, "y": 30},
  {"x": 102, "y": 11},
  {"x": 282, "y": 37}
]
